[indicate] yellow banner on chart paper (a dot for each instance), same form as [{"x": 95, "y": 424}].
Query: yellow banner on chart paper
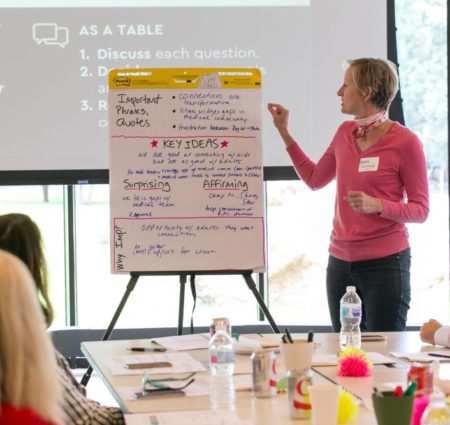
[{"x": 193, "y": 78}]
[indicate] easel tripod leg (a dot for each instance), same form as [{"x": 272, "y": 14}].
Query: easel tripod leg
[
  {"x": 183, "y": 279},
  {"x": 252, "y": 286},
  {"x": 131, "y": 285}
]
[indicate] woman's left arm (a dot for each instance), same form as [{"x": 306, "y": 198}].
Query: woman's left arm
[{"x": 413, "y": 174}]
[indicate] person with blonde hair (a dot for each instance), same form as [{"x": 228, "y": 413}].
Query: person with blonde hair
[
  {"x": 29, "y": 387},
  {"x": 381, "y": 184},
  {"x": 22, "y": 237}
]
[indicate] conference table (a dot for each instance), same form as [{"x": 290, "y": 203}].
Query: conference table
[{"x": 270, "y": 410}]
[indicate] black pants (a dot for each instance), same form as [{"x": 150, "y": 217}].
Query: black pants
[{"x": 383, "y": 284}]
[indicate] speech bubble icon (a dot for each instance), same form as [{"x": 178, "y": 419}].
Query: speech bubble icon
[
  {"x": 62, "y": 37},
  {"x": 50, "y": 34},
  {"x": 44, "y": 32}
]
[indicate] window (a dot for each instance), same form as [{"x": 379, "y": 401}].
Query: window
[
  {"x": 298, "y": 222},
  {"x": 299, "y": 225},
  {"x": 422, "y": 53}
]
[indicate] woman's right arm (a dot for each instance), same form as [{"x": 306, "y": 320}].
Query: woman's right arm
[{"x": 280, "y": 117}]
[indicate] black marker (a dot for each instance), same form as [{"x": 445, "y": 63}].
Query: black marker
[
  {"x": 310, "y": 336},
  {"x": 442, "y": 356},
  {"x": 288, "y": 335},
  {"x": 149, "y": 365},
  {"x": 141, "y": 349}
]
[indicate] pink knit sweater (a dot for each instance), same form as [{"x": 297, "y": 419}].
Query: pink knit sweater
[{"x": 399, "y": 180}]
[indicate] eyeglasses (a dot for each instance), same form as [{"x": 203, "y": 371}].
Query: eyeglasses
[{"x": 159, "y": 388}]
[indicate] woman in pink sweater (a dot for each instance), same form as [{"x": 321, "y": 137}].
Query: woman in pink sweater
[{"x": 381, "y": 184}]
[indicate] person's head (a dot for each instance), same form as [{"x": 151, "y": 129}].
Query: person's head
[
  {"x": 370, "y": 85},
  {"x": 21, "y": 236},
  {"x": 28, "y": 370}
]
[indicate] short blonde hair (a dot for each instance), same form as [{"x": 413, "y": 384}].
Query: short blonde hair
[
  {"x": 28, "y": 370},
  {"x": 378, "y": 76}
]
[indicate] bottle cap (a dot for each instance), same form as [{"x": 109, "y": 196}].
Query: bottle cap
[
  {"x": 351, "y": 288},
  {"x": 221, "y": 328}
]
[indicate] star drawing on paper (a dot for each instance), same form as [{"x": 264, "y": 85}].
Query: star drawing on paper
[
  {"x": 224, "y": 144},
  {"x": 154, "y": 144}
]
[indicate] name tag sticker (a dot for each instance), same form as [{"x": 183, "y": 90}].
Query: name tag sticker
[{"x": 369, "y": 164}]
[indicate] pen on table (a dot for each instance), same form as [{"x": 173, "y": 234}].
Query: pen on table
[
  {"x": 142, "y": 349},
  {"x": 288, "y": 335},
  {"x": 442, "y": 356},
  {"x": 152, "y": 341},
  {"x": 310, "y": 337}
]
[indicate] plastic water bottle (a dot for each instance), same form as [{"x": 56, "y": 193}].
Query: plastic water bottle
[
  {"x": 221, "y": 364},
  {"x": 350, "y": 335},
  {"x": 437, "y": 412}
]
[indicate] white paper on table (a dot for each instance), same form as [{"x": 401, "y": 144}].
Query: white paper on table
[
  {"x": 423, "y": 356},
  {"x": 332, "y": 359},
  {"x": 247, "y": 345},
  {"x": 183, "y": 342},
  {"x": 181, "y": 363},
  {"x": 200, "y": 387},
  {"x": 196, "y": 417}
]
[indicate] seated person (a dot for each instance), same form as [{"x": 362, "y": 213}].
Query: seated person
[
  {"x": 21, "y": 236},
  {"x": 435, "y": 333},
  {"x": 30, "y": 390},
  {"x": 10, "y": 415}
]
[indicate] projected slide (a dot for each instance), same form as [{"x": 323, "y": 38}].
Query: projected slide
[
  {"x": 53, "y": 104},
  {"x": 55, "y": 61}
]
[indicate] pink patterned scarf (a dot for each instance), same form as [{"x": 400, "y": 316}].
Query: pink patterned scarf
[{"x": 372, "y": 121}]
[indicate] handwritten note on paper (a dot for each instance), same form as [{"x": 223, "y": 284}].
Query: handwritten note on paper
[{"x": 186, "y": 170}]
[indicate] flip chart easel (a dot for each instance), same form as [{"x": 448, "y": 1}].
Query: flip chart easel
[
  {"x": 186, "y": 175},
  {"x": 246, "y": 274}
]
